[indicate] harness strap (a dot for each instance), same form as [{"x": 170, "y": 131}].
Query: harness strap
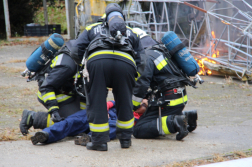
[
  {"x": 177, "y": 48},
  {"x": 45, "y": 51}
]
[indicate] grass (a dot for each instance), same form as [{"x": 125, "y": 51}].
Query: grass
[
  {"x": 18, "y": 42},
  {"x": 12, "y": 69},
  {"x": 16, "y": 61},
  {"x": 11, "y": 134}
]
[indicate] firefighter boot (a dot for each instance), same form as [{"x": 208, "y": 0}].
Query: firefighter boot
[
  {"x": 192, "y": 117},
  {"x": 40, "y": 120},
  {"x": 125, "y": 143},
  {"x": 39, "y": 137},
  {"x": 98, "y": 147},
  {"x": 82, "y": 139},
  {"x": 180, "y": 125},
  {"x": 27, "y": 121}
]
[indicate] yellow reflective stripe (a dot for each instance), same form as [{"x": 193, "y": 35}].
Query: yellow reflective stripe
[
  {"x": 125, "y": 124},
  {"x": 135, "y": 103},
  {"x": 49, "y": 96},
  {"x": 136, "y": 100},
  {"x": 82, "y": 105},
  {"x": 99, "y": 127},
  {"x": 178, "y": 101},
  {"x": 53, "y": 107},
  {"x": 92, "y": 25},
  {"x": 138, "y": 75},
  {"x": 132, "y": 30},
  {"x": 39, "y": 96},
  {"x": 62, "y": 97},
  {"x": 164, "y": 125},
  {"x": 103, "y": 16},
  {"x": 160, "y": 62},
  {"x": 49, "y": 121},
  {"x": 118, "y": 53},
  {"x": 54, "y": 62},
  {"x": 161, "y": 65},
  {"x": 78, "y": 75}
]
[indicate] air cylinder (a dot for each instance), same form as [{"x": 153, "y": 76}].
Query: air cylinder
[{"x": 45, "y": 52}]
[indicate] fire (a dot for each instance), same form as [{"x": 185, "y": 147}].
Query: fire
[
  {"x": 203, "y": 70},
  {"x": 213, "y": 34},
  {"x": 215, "y": 54}
]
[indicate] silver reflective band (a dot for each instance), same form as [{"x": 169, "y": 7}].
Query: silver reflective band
[
  {"x": 158, "y": 60},
  {"x": 48, "y": 96},
  {"x": 137, "y": 99},
  {"x": 59, "y": 59},
  {"x": 124, "y": 125},
  {"x": 99, "y": 128}
]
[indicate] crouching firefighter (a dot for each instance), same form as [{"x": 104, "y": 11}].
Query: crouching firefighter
[
  {"x": 111, "y": 54},
  {"x": 167, "y": 96},
  {"x": 56, "y": 92}
]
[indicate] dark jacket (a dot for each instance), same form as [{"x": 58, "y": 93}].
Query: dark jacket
[{"x": 93, "y": 31}]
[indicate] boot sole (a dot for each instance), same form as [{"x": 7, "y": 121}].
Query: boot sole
[
  {"x": 182, "y": 134},
  {"x": 97, "y": 148},
  {"x": 82, "y": 140},
  {"x": 126, "y": 145},
  {"x": 39, "y": 137}
]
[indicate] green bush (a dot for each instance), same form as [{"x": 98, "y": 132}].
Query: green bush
[{"x": 56, "y": 15}]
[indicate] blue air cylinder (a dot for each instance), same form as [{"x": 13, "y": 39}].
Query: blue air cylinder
[
  {"x": 46, "y": 51},
  {"x": 182, "y": 56}
]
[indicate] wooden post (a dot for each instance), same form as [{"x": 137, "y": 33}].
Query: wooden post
[
  {"x": 70, "y": 18},
  {"x": 45, "y": 12},
  {"x": 7, "y": 19}
]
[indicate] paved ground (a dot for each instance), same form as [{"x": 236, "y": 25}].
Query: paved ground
[{"x": 224, "y": 125}]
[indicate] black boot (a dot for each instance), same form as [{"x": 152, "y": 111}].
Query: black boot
[
  {"x": 192, "y": 117},
  {"x": 26, "y": 121},
  {"x": 125, "y": 143},
  {"x": 40, "y": 120},
  {"x": 180, "y": 125},
  {"x": 98, "y": 147},
  {"x": 82, "y": 139},
  {"x": 39, "y": 137}
]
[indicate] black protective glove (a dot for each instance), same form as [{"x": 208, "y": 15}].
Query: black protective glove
[
  {"x": 55, "y": 117},
  {"x": 40, "y": 80}
]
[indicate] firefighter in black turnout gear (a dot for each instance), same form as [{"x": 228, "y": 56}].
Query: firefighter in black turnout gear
[
  {"x": 167, "y": 96},
  {"x": 56, "y": 92},
  {"x": 112, "y": 52}
]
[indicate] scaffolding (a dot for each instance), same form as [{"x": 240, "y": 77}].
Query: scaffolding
[{"x": 217, "y": 30}]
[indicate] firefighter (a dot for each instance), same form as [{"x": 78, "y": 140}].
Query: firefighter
[
  {"x": 56, "y": 92},
  {"x": 112, "y": 52},
  {"x": 168, "y": 94}
]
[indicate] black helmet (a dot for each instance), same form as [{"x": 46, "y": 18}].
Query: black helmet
[
  {"x": 115, "y": 19},
  {"x": 113, "y": 7}
]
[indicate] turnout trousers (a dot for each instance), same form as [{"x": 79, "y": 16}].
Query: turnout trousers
[
  {"x": 147, "y": 126},
  {"x": 120, "y": 76}
]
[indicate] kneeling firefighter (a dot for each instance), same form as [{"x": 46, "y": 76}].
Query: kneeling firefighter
[
  {"x": 111, "y": 54},
  {"x": 56, "y": 91},
  {"x": 167, "y": 97}
]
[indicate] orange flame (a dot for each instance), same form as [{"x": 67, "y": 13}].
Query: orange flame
[
  {"x": 203, "y": 70},
  {"x": 215, "y": 54},
  {"x": 213, "y": 34}
]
